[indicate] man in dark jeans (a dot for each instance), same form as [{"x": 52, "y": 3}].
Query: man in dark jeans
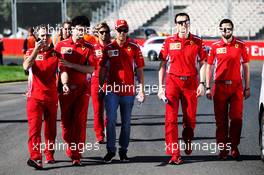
[{"x": 119, "y": 58}]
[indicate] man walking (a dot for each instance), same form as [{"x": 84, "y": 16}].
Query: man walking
[
  {"x": 120, "y": 57},
  {"x": 181, "y": 52},
  {"x": 228, "y": 56}
]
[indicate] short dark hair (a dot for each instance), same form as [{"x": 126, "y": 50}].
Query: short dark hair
[
  {"x": 226, "y": 21},
  {"x": 99, "y": 26},
  {"x": 181, "y": 14},
  {"x": 81, "y": 20},
  {"x": 67, "y": 22},
  {"x": 41, "y": 26}
]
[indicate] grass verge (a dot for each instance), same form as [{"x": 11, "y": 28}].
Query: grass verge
[{"x": 12, "y": 73}]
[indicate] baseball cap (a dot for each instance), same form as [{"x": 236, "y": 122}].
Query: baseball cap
[{"x": 121, "y": 23}]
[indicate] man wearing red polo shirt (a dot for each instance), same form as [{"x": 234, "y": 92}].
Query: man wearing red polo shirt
[
  {"x": 181, "y": 52},
  {"x": 76, "y": 60},
  {"x": 42, "y": 98},
  {"x": 228, "y": 55},
  {"x": 102, "y": 31},
  {"x": 120, "y": 57}
]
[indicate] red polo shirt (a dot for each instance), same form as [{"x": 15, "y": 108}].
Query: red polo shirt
[
  {"x": 121, "y": 62},
  {"x": 98, "y": 54},
  {"x": 228, "y": 58},
  {"x": 42, "y": 76},
  {"x": 80, "y": 52},
  {"x": 183, "y": 54}
]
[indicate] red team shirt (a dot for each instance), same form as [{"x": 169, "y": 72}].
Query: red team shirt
[
  {"x": 228, "y": 58},
  {"x": 121, "y": 62},
  {"x": 98, "y": 54},
  {"x": 183, "y": 54},
  {"x": 80, "y": 52},
  {"x": 42, "y": 76}
]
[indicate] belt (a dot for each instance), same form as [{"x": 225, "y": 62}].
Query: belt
[
  {"x": 227, "y": 82},
  {"x": 184, "y": 78}
]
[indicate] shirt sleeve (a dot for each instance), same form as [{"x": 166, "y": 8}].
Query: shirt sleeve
[
  {"x": 164, "y": 52},
  {"x": 245, "y": 57},
  {"x": 28, "y": 53},
  {"x": 91, "y": 57},
  {"x": 211, "y": 56},
  {"x": 202, "y": 52},
  {"x": 139, "y": 59},
  {"x": 104, "y": 59},
  {"x": 57, "y": 51}
]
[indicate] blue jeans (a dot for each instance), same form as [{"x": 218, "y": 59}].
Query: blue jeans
[{"x": 112, "y": 101}]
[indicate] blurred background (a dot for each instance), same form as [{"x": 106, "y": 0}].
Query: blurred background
[{"x": 147, "y": 19}]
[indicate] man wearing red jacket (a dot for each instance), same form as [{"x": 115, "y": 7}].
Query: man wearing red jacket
[
  {"x": 181, "y": 52},
  {"x": 42, "y": 98},
  {"x": 76, "y": 60},
  {"x": 102, "y": 31},
  {"x": 120, "y": 58},
  {"x": 228, "y": 55}
]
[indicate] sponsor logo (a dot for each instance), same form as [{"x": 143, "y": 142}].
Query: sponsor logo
[
  {"x": 98, "y": 53},
  {"x": 175, "y": 46},
  {"x": 113, "y": 53},
  {"x": 39, "y": 58},
  {"x": 66, "y": 50},
  {"x": 221, "y": 50}
]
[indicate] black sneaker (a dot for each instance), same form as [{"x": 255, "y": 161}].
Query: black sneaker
[
  {"x": 123, "y": 157},
  {"x": 37, "y": 164},
  {"x": 109, "y": 157}
]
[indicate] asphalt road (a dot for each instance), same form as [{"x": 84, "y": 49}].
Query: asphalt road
[{"x": 147, "y": 146}]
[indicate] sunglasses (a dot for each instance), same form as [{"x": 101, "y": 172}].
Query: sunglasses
[
  {"x": 104, "y": 32},
  {"x": 183, "y": 22},
  {"x": 227, "y": 29},
  {"x": 122, "y": 30},
  {"x": 43, "y": 35}
]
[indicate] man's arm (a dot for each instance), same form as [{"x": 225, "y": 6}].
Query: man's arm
[
  {"x": 102, "y": 73},
  {"x": 65, "y": 80},
  {"x": 140, "y": 74},
  {"x": 200, "y": 89},
  {"x": 208, "y": 80},
  {"x": 29, "y": 61},
  {"x": 162, "y": 71},
  {"x": 247, "y": 80},
  {"x": 81, "y": 68}
]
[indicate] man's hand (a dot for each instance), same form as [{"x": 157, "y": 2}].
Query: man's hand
[
  {"x": 246, "y": 93},
  {"x": 66, "y": 63},
  {"x": 200, "y": 90},
  {"x": 65, "y": 89},
  {"x": 208, "y": 94},
  {"x": 38, "y": 45},
  {"x": 141, "y": 96},
  {"x": 161, "y": 93}
]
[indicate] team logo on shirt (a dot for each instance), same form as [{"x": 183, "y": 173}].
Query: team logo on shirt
[
  {"x": 191, "y": 42},
  {"x": 98, "y": 53},
  {"x": 66, "y": 50},
  {"x": 236, "y": 45},
  {"x": 83, "y": 47},
  {"x": 39, "y": 58},
  {"x": 175, "y": 46},
  {"x": 221, "y": 50},
  {"x": 128, "y": 49},
  {"x": 113, "y": 53}
]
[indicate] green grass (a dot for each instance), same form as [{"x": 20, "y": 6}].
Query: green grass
[{"x": 12, "y": 73}]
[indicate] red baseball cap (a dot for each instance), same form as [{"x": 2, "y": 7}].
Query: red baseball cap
[{"x": 121, "y": 23}]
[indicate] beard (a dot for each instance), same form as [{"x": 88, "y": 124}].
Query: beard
[{"x": 227, "y": 36}]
